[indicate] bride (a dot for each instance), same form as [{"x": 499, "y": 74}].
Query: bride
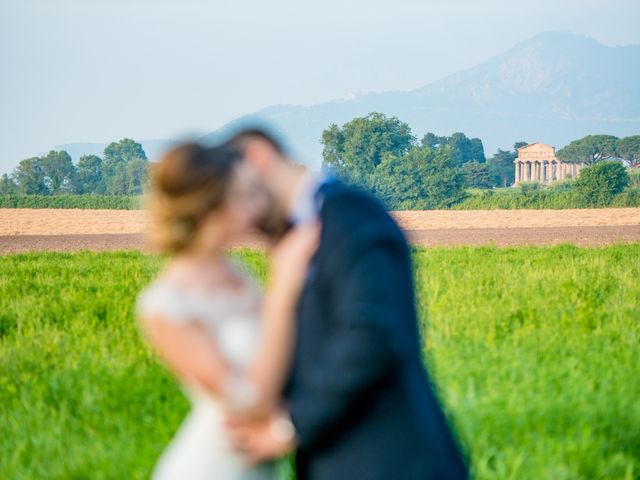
[{"x": 227, "y": 344}]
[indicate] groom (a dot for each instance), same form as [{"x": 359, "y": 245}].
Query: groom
[{"x": 359, "y": 403}]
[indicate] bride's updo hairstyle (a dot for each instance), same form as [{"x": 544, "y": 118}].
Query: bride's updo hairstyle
[{"x": 189, "y": 182}]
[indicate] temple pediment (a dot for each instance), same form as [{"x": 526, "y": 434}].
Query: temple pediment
[{"x": 537, "y": 150}]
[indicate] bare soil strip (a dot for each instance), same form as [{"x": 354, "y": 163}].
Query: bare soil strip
[
  {"x": 506, "y": 237},
  {"x": 98, "y": 243},
  {"x": 502, "y": 237},
  {"x": 26, "y": 221},
  {"x": 476, "y": 219},
  {"x": 93, "y": 222},
  {"x": 25, "y": 230}
]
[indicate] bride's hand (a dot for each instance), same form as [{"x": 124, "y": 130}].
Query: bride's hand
[{"x": 291, "y": 256}]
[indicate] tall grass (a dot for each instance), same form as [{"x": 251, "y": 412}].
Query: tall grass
[
  {"x": 534, "y": 350},
  {"x": 548, "y": 198},
  {"x": 92, "y": 201},
  {"x": 536, "y": 354}
]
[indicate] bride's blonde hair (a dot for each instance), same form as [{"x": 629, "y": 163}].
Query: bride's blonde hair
[{"x": 189, "y": 182}]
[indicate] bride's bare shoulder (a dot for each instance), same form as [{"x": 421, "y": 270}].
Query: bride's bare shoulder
[{"x": 198, "y": 275}]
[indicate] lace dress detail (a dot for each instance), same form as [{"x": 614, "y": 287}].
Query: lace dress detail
[{"x": 200, "y": 449}]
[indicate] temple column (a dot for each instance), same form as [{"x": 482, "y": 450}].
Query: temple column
[
  {"x": 545, "y": 172},
  {"x": 517, "y": 175},
  {"x": 528, "y": 171},
  {"x": 536, "y": 171}
]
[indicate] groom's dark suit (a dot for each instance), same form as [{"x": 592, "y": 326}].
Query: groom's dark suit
[{"x": 358, "y": 394}]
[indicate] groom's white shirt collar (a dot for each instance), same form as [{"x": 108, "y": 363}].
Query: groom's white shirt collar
[{"x": 304, "y": 206}]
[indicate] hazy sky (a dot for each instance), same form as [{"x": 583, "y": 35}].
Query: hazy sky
[{"x": 98, "y": 70}]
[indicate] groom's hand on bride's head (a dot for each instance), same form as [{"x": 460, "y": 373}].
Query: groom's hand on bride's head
[{"x": 263, "y": 439}]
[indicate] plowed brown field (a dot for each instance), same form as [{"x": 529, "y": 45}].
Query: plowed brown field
[{"x": 67, "y": 230}]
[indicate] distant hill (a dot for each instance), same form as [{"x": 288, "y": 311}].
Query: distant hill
[{"x": 554, "y": 87}]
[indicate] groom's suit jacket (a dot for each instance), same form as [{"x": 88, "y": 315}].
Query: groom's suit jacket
[{"x": 359, "y": 396}]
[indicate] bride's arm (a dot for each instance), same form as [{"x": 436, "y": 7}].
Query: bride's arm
[
  {"x": 289, "y": 267},
  {"x": 188, "y": 350}
]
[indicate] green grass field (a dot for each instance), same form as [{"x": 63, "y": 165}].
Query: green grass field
[{"x": 535, "y": 352}]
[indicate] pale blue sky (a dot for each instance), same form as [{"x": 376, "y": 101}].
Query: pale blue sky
[{"x": 96, "y": 71}]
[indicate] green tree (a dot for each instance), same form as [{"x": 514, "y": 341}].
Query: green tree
[
  {"x": 380, "y": 154},
  {"x": 423, "y": 178},
  {"x": 629, "y": 149},
  {"x": 123, "y": 151},
  {"x": 30, "y": 177},
  {"x": 121, "y": 171},
  {"x": 464, "y": 149},
  {"x": 501, "y": 167},
  {"x": 59, "y": 172},
  {"x": 136, "y": 171},
  {"x": 89, "y": 175},
  {"x": 589, "y": 149},
  {"x": 432, "y": 140},
  {"x": 357, "y": 148},
  {"x": 599, "y": 183},
  {"x": 476, "y": 175},
  {"x": 117, "y": 181},
  {"x": 7, "y": 185}
]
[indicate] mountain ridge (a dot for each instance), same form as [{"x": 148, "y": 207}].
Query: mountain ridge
[{"x": 555, "y": 86}]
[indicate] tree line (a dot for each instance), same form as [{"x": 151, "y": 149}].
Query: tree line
[
  {"x": 122, "y": 170},
  {"x": 382, "y": 155},
  {"x": 377, "y": 152}
]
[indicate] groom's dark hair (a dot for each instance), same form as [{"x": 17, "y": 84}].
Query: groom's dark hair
[{"x": 240, "y": 139}]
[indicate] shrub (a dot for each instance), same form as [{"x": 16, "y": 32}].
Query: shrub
[
  {"x": 630, "y": 197},
  {"x": 598, "y": 184},
  {"x": 634, "y": 177},
  {"x": 528, "y": 187}
]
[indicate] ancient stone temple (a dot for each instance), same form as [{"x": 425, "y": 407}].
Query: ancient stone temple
[{"x": 537, "y": 162}]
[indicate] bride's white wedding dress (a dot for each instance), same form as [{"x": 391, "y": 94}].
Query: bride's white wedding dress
[{"x": 200, "y": 450}]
